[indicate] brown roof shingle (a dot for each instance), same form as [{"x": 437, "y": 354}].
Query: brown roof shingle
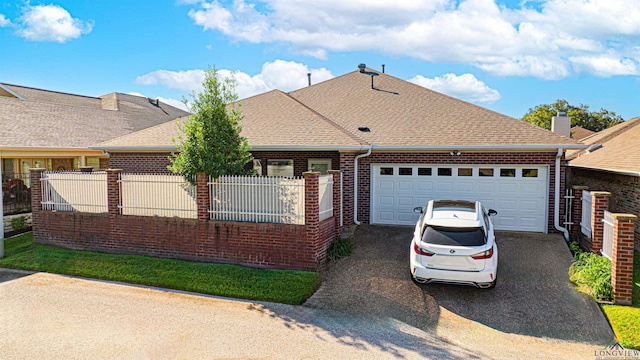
[
  {"x": 48, "y": 119},
  {"x": 398, "y": 113},
  {"x": 620, "y": 151}
]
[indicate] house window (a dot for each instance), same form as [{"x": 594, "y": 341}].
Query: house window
[
  {"x": 320, "y": 165},
  {"x": 405, "y": 171},
  {"x": 424, "y": 171},
  {"x": 485, "y": 172},
  {"x": 280, "y": 168},
  {"x": 507, "y": 172},
  {"x": 465, "y": 171},
  {"x": 386, "y": 171},
  {"x": 444, "y": 172},
  {"x": 94, "y": 162},
  {"x": 530, "y": 173}
]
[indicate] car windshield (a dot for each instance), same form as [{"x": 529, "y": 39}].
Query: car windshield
[{"x": 439, "y": 235}]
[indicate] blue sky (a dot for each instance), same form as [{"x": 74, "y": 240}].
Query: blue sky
[{"x": 507, "y": 56}]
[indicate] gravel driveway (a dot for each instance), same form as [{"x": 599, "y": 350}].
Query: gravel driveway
[{"x": 533, "y": 302}]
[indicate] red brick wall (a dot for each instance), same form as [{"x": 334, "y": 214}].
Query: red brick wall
[
  {"x": 624, "y": 189},
  {"x": 265, "y": 245},
  {"x": 158, "y": 162},
  {"x": 533, "y": 158},
  {"x": 145, "y": 163}
]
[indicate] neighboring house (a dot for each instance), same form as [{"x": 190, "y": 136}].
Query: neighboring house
[
  {"x": 409, "y": 144},
  {"x": 611, "y": 163},
  {"x": 579, "y": 133},
  {"x": 52, "y": 130}
]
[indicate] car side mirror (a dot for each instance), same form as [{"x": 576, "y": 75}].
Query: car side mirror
[
  {"x": 492, "y": 212},
  {"x": 418, "y": 210}
]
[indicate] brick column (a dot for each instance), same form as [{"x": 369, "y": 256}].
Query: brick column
[
  {"x": 576, "y": 210},
  {"x": 337, "y": 197},
  {"x": 312, "y": 213},
  {"x": 35, "y": 175},
  {"x": 622, "y": 258},
  {"x": 113, "y": 192},
  {"x": 202, "y": 196},
  {"x": 599, "y": 205},
  {"x": 86, "y": 169}
]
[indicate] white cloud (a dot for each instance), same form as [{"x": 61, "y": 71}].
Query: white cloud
[
  {"x": 605, "y": 66},
  {"x": 51, "y": 23},
  {"x": 466, "y": 87},
  {"x": 279, "y": 74},
  {"x": 540, "y": 39},
  {"x": 4, "y": 21}
]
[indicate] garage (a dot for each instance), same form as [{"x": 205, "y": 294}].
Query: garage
[{"x": 517, "y": 192}]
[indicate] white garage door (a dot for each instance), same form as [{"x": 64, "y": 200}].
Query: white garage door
[{"x": 518, "y": 193}]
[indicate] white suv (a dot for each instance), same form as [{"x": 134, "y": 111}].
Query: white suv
[{"x": 454, "y": 242}]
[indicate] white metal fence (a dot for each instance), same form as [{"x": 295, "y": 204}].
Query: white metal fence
[
  {"x": 157, "y": 195},
  {"x": 74, "y": 191},
  {"x": 325, "y": 187},
  {"x": 585, "y": 222},
  {"x": 607, "y": 235},
  {"x": 257, "y": 199}
]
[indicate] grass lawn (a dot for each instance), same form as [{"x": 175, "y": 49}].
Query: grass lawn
[
  {"x": 625, "y": 320},
  {"x": 283, "y": 286}
]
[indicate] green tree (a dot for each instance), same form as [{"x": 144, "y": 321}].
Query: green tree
[
  {"x": 580, "y": 116},
  {"x": 211, "y": 141}
]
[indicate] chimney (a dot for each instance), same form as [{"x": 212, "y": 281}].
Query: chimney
[
  {"x": 383, "y": 68},
  {"x": 561, "y": 124},
  {"x": 309, "y": 76},
  {"x": 110, "y": 101}
]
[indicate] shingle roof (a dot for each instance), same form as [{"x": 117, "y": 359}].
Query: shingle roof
[
  {"x": 620, "y": 151},
  {"x": 398, "y": 114},
  {"x": 57, "y": 120},
  {"x": 578, "y": 132}
]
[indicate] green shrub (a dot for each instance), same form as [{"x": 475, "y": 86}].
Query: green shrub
[
  {"x": 593, "y": 272},
  {"x": 339, "y": 249},
  {"x": 19, "y": 223},
  {"x": 574, "y": 246}
]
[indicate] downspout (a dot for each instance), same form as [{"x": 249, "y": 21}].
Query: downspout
[
  {"x": 355, "y": 183},
  {"x": 556, "y": 199}
]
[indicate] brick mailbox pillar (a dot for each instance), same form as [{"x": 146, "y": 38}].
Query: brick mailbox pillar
[
  {"x": 622, "y": 258},
  {"x": 598, "y": 206},
  {"x": 35, "y": 175},
  {"x": 337, "y": 197}
]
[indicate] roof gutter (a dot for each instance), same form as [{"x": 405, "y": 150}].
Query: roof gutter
[
  {"x": 484, "y": 147},
  {"x": 170, "y": 148},
  {"x": 355, "y": 183},
  {"x": 556, "y": 199}
]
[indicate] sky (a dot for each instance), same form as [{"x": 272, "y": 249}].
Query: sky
[{"x": 507, "y": 56}]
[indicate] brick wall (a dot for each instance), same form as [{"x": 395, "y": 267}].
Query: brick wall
[
  {"x": 625, "y": 190},
  {"x": 157, "y": 162},
  {"x": 146, "y": 163},
  {"x": 266, "y": 245},
  {"x": 532, "y": 158}
]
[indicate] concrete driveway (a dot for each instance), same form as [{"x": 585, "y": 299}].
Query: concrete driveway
[
  {"x": 533, "y": 310},
  {"x": 368, "y": 308}
]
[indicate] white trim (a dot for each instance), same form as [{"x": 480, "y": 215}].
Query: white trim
[
  {"x": 355, "y": 183},
  {"x": 621, "y": 172},
  {"x": 12, "y": 93},
  {"x": 483, "y": 147}
]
